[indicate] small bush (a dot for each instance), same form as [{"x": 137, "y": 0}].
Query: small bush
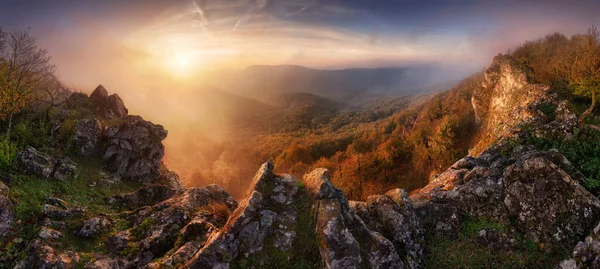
[{"x": 8, "y": 153}]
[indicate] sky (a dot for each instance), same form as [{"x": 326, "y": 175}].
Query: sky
[
  {"x": 156, "y": 53},
  {"x": 154, "y": 44}
]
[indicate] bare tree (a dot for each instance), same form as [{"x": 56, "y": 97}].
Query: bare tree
[
  {"x": 581, "y": 67},
  {"x": 24, "y": 67}
]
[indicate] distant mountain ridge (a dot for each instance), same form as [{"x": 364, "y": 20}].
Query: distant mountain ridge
[{"x": 262, "y": 82}]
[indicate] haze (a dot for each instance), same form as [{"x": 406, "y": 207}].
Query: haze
[{"x": 158, "y": 54}]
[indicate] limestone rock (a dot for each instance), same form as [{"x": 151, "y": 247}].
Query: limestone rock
[
  {"x": 345, "y": 240},
  {"x": 523, "y": 188},
  {"x": 86, "y": 139},
  {"x": 538, "y": 191},
  {"x": 7, "y": 215},
  {"x": 134, "y": 149},
  {"x": 264, "y": 220},
  {"x": 44, "y": 166},
  {"x": 108, "y": 106},
  {"x": 178, "y": 226},
  {"x": 586, "y": 253},
  {"x": 94, "y": 227}
]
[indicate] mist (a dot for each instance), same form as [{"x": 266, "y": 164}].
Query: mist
[{"x": 180, "y": 63}]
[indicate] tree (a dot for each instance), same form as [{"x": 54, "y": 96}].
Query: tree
[
  {"x": 581, "y": 67},
  {"x": 23, "y": 68}
]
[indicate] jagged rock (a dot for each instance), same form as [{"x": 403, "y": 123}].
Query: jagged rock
[
  {"x": 264, "y": 220},
  {"x": 49, "y": 233},
  {"x": 114, "y": 108},
  {"x": 344, "y": 239},
  {"x": 86, "y": 139},
  {"x": 94, "y": 227},
  {"x": 64, "y": 169},
  {"x": 36, "y": 163},
  {"x": 397, "y": 221},
  {"x": 7, "y": 215},
  {"x": 586, "y": 253},
  {"x": 563, "y": 127},
  {"x": 506, "y": 100},
  {"x": 145, "y": 196},
  {"x": 538, "y": 191},
  {"x": 43, "y": 256},
  {"x": 108, "y": 107},
  {"x": 98, "y": 96},
  {"x": 524, "y": 188},
  {"x": 188, "y": 218},
  {"x": 134, "y": 149},
  {"x": 171, "y": 179}
]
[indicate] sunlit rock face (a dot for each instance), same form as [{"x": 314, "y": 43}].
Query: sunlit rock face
[{"x": 506, "y": 98}]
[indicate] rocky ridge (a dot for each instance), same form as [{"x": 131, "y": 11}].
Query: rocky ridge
[{"x": 285, "y": 221}]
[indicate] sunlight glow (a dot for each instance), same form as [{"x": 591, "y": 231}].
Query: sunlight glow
[{"x": 182, "y": 64}]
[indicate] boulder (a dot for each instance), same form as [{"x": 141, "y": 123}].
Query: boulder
[
  {"x": 172, "y": 231},
  {"x": 41, "y": 254},
  {"x": 537, "y": 192},
  {"x": 7, "y": 215},
  {"x": 586, "y": 253},
  {"x": 99, "y": 96},
  {"x": 36, "y": 163},
  {"x": 94, "y": 227},
  {"x": 134, "y": 149},
  {"x": 86, "y": 139},
  {"x": 108, "y": 106},
  {"x": 33, "y": 162},
  {"x": 114, "y": 108}
]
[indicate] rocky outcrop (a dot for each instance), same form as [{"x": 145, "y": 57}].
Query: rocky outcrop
[
  {"x": 94, "y": 227},
  {"x": 86, "y": 139},
  {"x": 585, "y": 254},
  {"x": 524, "y": 188},
  {"x": 7, "y": 215},
  {"x": 107, "y": 106},
  {"x": 347, "y": 242},
  {"x": 263, "y": 224},
  {"x": 507, "y": 101},
  {"x": 41, "y": 254},
  {"x": 172, "y": 231},
  {"x": 34, "y": 162},
  {"x": 134, "y": 149}
]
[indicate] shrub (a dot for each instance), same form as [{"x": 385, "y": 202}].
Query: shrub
[{"x": 8, "y": 152}]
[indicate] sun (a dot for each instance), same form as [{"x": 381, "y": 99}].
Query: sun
[{"x": 182, "y": 64}]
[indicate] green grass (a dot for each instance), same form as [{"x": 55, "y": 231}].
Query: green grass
[
  {"x": 29, "y": 194},
  {"x": 465, "y": 252}
]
